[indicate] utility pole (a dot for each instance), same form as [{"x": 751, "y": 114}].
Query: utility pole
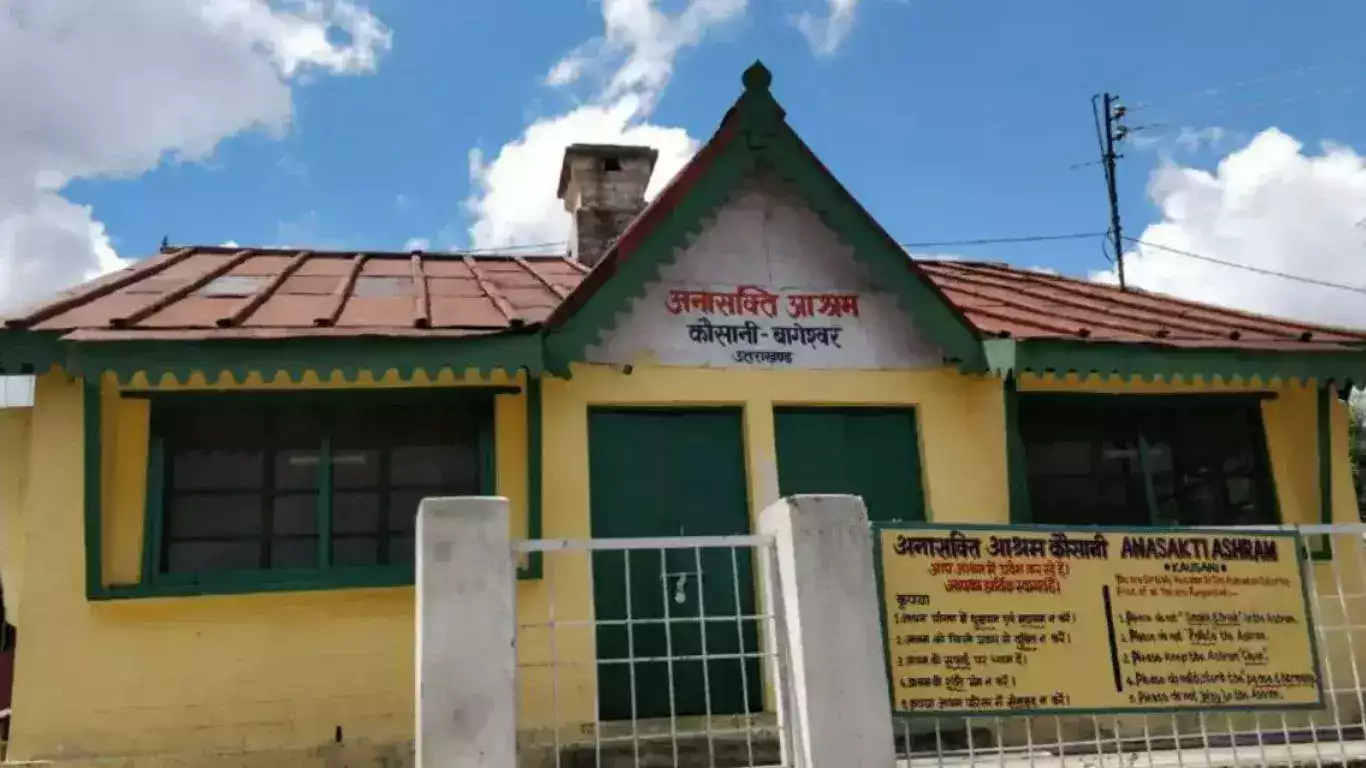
[{"x": 1113, "y": 133}]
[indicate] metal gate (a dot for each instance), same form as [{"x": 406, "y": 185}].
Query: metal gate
[
  {"x": 707, "y": 657},
  {"x": 1335, "y": 577}
]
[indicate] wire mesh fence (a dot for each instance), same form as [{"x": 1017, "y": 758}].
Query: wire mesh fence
[
  {"x": 651, "y": 652},
  {"x": 1335, "y": 579}
]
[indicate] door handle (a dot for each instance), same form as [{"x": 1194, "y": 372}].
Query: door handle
[{"x": 680, "y": 594}]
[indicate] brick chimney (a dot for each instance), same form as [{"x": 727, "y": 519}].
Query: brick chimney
[{"x": 603, "y": 188}]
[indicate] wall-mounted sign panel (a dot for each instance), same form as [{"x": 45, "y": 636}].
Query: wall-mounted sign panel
[{"x": 1016, "y": 620}]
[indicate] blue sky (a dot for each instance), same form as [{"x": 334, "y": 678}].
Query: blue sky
[{"x": 949, "y": 120}]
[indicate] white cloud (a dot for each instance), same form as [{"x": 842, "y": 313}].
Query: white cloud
[
  {"x": 417, "y": 244},
  {"x": 112, "y": 89},
  {"x": 1268, "y": 205},
  {"x": 1187, "y": 139},
  {"x": 826, "y": 33},
  {"x": 1193, "y": 139},
  {"x": 517, "y": 203},
  {"x": 514, "y": 199}
]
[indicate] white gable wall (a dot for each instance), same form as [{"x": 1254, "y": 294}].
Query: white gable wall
[{"x": 753, "y": 275}]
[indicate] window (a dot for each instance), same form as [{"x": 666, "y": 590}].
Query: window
[
  {"x": 1154, "y": 460},
  {"x": 282, "y": 488}
]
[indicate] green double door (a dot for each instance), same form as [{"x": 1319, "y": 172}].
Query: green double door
[
  {"x": 666, "y": 473},
  {"x": 868, "y": 452}
]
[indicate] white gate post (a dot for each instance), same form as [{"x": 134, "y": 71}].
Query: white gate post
[
  {"x": 827, "y": 597},
  {"x": 466, "y": 634}
]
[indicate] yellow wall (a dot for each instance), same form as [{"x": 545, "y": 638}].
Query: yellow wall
[
  {"x": 233, "y": 672},
  {"x": 14, "y": 432},
  {"x": 275, "y": 671}
]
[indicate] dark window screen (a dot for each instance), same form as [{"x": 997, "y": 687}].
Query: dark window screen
[
  {"x": 1146, "y": 461},
  {"x": 246, "y": 486}
]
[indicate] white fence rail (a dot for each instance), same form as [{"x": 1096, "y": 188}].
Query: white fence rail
[
  {"x": 748, "y": 651},
  {"x": 650, "y": 652},
  {"x": 1335, "y": 578}
]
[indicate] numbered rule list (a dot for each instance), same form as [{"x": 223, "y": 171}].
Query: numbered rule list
[{"x": 1021, "y": 620}]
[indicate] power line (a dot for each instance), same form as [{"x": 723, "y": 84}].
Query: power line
[
  {"x": 1250, "y": 268},
  {"x": 1230, "y": 89},
  {"x": 996, "y": 240},
  {"x": 503, "y": 249}
]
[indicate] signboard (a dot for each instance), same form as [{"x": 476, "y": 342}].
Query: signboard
[
  {"x": 1016, "y": 620},
  {"x": 758, "y": 326}
]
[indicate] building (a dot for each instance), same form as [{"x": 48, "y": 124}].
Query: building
[{"x": 208, "y": 511}]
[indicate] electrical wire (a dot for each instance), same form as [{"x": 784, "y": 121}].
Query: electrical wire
[
  {"x": 996, "y": 240},
  {"x": 1249, "y": 268},
  {"x": 1230, "y": 89},
  {"x": 513, "y": 248}
]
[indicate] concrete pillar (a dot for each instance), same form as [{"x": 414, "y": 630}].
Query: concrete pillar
[
  {"x": 466, "y": 635},
  {"x": 827, "y": 597}
]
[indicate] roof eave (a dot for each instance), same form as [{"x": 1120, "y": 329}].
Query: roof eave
[
  {"x": 1341, "y": 364},
  {"x": 23, "y": 352}
]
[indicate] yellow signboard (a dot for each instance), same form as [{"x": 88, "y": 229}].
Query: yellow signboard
[{"x": 1015, "y": 620}]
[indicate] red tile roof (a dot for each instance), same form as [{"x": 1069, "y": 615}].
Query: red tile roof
[
  {"x": 1008, "y": 302},
  {"x": 226, "y": 292},
  {"x": 233, "y": 293}
]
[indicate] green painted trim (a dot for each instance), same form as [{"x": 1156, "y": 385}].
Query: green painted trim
[
  {"x": 156, "y": 584},
  {"x": 295, "y": 357},
  {"x": 1017, "y": 461},
  {"x": 762, "y": 139},
  {"x": 94, "y": 485},
  {"x": 29, "y": 352},
  {"x": 1168, "y": 400},
  {"x": 1297, "y": 539},
  {"x": 1323, "y": 547},
  {"x": 1148, "y": 361},
  {"x": 319, "y": 395},
  {"x": 535, "y": 565},
  {"x": 250, "y": 582}
]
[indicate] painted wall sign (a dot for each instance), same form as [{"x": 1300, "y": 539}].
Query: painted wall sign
[
  {"x": 767, "y": 285},
  {"x": 784, "y": 339},
  {"x": 1022, "y": 620}
]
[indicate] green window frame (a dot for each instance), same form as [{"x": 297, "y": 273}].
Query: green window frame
[
  {"x": 1142, "y": 459},
  {"x": 474, "y": 405}
]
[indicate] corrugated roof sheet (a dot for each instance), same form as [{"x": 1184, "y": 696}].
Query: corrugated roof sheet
[
  {"x": 1008, "y": 302},
  {"x": 224, "y": 292},
  {"x": 260, "y": 293}
]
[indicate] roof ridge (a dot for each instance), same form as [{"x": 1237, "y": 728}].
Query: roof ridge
[{"x": 290, "y": 250}]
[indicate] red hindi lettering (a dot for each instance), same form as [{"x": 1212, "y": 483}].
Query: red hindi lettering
[
  {"x": 678, "y": 302},
  {"x": 839, "y": 304},
  {"x": 755, "y": 300},
  {"x": 801, "y": 305},
  {"x": 704, "y": 301}
]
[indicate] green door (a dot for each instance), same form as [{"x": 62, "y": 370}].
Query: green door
[
  {"x": 869, "y": 452},
  {"x": 662, "y": 473}
]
